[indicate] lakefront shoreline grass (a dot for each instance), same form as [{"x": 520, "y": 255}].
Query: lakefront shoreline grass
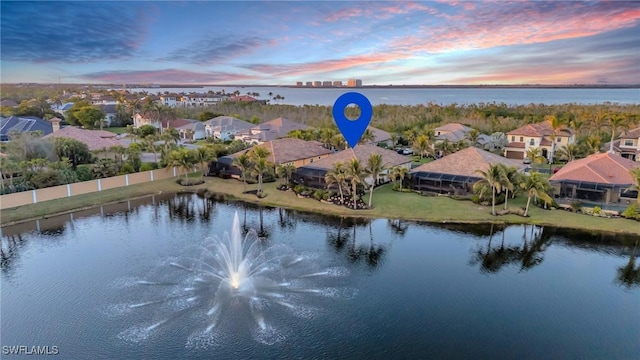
[{"x": 386, "y": 204}]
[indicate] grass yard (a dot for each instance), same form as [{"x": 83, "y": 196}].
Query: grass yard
[{"x": 387, "y": 204}]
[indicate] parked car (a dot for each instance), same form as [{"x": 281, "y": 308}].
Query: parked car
[
  {"x": 407, "y": 152},
  {"x": 526, "y": 161}
]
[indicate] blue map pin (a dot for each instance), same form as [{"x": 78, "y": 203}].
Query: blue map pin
[{"x": 352, "y": 130}]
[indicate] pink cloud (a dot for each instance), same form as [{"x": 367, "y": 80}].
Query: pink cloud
[{"x": 173, "y": 76}]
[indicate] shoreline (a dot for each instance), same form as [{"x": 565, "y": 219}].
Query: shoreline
[{"x": 279, "y": 199}]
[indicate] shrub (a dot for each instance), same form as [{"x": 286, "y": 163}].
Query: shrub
[
  {"x": 631, "y": 212},
  {"x": 127, "y": 168},
  {"x": 597, "y": 211},
  {"x": 84, "y": 172},
  {"x": 299, "y": 188},
  {"x": 146, "y": 167},
  {"x": 475, "y": 199},
  {"x": 318, "y": 194},
  {"x": 190, "y": 181},
  {"x": 44, "y": 179},
  {"x": 576, "y": 206}
]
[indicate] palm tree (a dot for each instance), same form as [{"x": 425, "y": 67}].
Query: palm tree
[
  {"x": 337, "y": 175},
  {"x": 473, "y": 137},
  {"x": 556, "y": 124},
  {"x": 569, "y": 152},
  {"x": 202, "y": 156},
  {"x": 355, "y": 175},
  {"x": 367, "y": 137},
  {"x": 243, "y": 162},
  {"x": 150, "y": 143},
  {"x": 535, "y": 186},
  {"x": 535, "y": 155},
  {"x": 422, "y": 145},
  {"x": 445, "y": 147},
  {"x": 182, "y": 159},
  {"x": 374, "y": 168},
  {"x": 616, "y": 121},
  {"x": 511, "y": 179},
  {"x": 592, "y": 144},
  {"x": 494, "y": 178},
  {"x": 399, "y": 173},
  {"x": 285, "y": 172},
  {"x": 261, "y": 167},
  {"x": 635, "y": 177}
]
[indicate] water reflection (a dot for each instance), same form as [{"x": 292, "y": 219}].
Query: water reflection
[
  {"x": 629, "y": 275},
  {"x": 526, "y": 255},
  {"x": 343, "y": 240}
]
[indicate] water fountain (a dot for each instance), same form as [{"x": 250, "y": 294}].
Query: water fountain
[{"x": 235, "y": 280}]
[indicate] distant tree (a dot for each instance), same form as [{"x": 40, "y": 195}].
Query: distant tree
[
  {"x": 375, "y": 167},
  {"x": 243, "y": 162},
  {"x": 146, "y": 130},
  {"x": 76, "y": 152},
  {"x": 399, "y": 173}
]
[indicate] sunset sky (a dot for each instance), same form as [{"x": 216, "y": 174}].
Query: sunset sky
[{"x": 279, "y": 43}]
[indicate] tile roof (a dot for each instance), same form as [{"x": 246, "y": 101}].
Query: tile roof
[
  {"x": 379, "y": 135},
  {"x": 228, "y": 123},
  {"x": 362, "y": 152},
  {"x": 631, "y": 134},
  {"x": 289, "y": 149},
  {"x": 603, "y": 168},
  {"x": 8, "y": 102},
  {"x": 466, "y": 162},
  {"x": 451, "y": 127},
  {"x": 540, "y": 129},
  {"x": 95, "y": 139},
  {"x": 276, "y": 128}
]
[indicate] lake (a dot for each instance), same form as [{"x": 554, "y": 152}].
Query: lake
[
  {"x": 110, "y": 283},
  {"x": 443, "y": 96}
]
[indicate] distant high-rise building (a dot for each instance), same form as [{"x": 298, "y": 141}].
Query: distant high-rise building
[
  {"x": 309, "y": 84},
  {"x": 337, "y": 83},
  {"x": 317, "y": 83},
  {"x": 354, "y": 83},
  {"x": 299, "y": 83},
  {"x": 326, "y": 84}
]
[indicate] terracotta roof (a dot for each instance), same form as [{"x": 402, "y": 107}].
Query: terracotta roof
[
  {"x": 95, "y": 139},
  {"x": 380, "y": 135},
  {"x": 517, "y": 145},
  {"x": 631, "y": 134},
  {"x": 289, "y": 149},
  {"x": 540, "y": 129},
  {"x": 466, "y": 162},
  {"x": 451, "y": 127},
  {"x": 362, "y": 152},
  {"x": 603, "y": 168},
  {"x": 242, "y": 98},
  {"x": 545, "y": 142}
]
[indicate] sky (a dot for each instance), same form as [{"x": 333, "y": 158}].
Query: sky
[{"x": 445, "y": 42}]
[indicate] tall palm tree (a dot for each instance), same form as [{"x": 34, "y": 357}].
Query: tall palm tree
[
  {"x": 494, "y": 178},
  {"x": 399, "y": 173},
  {"x": 367, "y": 137},
  {"x": 243, "y": 162},
  {"x": 374, "y": 168},
  {"x": 556, "y": 124},
  {"x": 445, "y": 147},
  {"x": 569, "y": 152},
  {"x": 150, "y": 143},
  {"x": 592, "y": 144},
  {"x": 616, "y": 121},
  {"x": 355, "y": 176},
  {"x": 261, "y": 167},
  {"x": 473, "y": 137},
  {"x": 535, "y": 186},
  {"x": 511, "y": 178},
  {"x": 337, "y": 175}
]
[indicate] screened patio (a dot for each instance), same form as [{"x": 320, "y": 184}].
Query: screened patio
[{"x": 443, "y": 183}]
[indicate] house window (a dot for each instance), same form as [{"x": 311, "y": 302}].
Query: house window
[
  {"x": 521, "y": 139},
  {"x": 513, "y": 139},
  {"x": 532, "y": 142},
  {"x": 311, "y": 160},
  {"x": 628, "y": 142},
  {"x": 559, "y": 140}
]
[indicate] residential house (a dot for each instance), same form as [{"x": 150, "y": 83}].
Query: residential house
[
  {"x": 313, "y": 173},
  {"x": 8, "y": 103},
  {"x": 270, "y": 130},
  {"x": 111, "y": 113},
  {"x": 98, "y": 141},
  {"x": 103, "y": 100},
  {"x": 380, "y": 137},
  {"x": 540, "y": 135},
  {"x": 170, "y": 100},
  {"x": 225, "y": 127},
  {"x": 23, "y": 124},
  {"x": 62, "y": 108},
  {"x": 628, "y": 145},
  {"x": 601, "y": 178},
  {"x": 194, "y": 130},
  {"x": 286, "y": 151},
  {"x": 455, "y": 132},
  {"x": 141, "y": 119},
  {"x": 200, "y": 100},
  {"x": 456, "y": 173}
]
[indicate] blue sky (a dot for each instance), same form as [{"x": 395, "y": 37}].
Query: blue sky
[{"x": 248, "y": 42}]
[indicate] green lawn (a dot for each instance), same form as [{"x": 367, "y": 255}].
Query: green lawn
[
  {"x": 116, "y": 130},
  {"x": 387, "y": 204},
  {"x": 417, "y": 161}
]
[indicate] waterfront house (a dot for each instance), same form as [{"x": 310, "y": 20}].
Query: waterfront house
[
  {"x": 313, "y": 174},
  {"x": 23, "y": 124},
  {"x": 141, "y": 119},
  {"x": 285, "y": 151},
  {"x": 98, "y": 141},
  {"x": 601, "y": 178},
  {"x": 628, "y": 145},
  {"x": 456, "y": 173},
  {"x": 225, "y": 127},
  {"x": 540, "y": 135},
  {"x": 380, "y": 137}
]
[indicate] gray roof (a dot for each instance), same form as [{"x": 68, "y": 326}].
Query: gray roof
[
  {"x": 228, "y": 123},
  {"x": 108, "y": 109},
  {"x": 23, "y": 124}
]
